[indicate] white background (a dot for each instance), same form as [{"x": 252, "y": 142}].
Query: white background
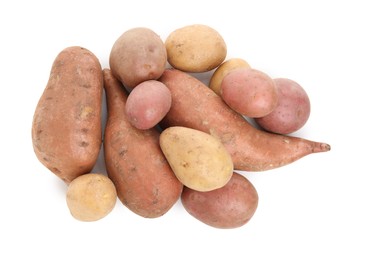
[{"x": 313, "y": 208}]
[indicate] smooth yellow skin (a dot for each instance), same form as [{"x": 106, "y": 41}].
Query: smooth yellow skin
[
  {"x": 91, "y": 197},
  {"x": 199, "y": 160},
  {"x": 223, "y": 70},
  {"x": 195, "y": 48}
]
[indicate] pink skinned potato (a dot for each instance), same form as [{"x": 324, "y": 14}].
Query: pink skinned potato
[
  {"x": 231, "y": 206},
  {"x": 147, "y": 104},
  {"x": 249, "y": 92},
  {"x": 292, "y": 111}
]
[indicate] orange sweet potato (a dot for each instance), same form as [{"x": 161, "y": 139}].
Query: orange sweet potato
[
  {"x": 144, "y": 181},
  {"x": 67, "y": 129},
  {"x": 196, "y": 106}
]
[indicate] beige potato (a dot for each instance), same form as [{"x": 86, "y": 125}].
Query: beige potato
[
  {"x": 91, "y": 197},
  {"x": 199, "y": 160},
  {"x": 223, "y": 70},
  {"x": 195, "y": 48}
]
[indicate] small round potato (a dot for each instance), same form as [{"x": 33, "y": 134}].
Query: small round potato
[
  {"x": 138, "y": 55},
  {"x": 292, "y": 111},
  {"x": 249, "y": 92},
  {"x": 147, "y": 104},
  {"x": 223, "y": 70},
  {"x": 195, "y": 48},
  {"x": 91, "y": 197},
  {"x": 231, "y": 206}
]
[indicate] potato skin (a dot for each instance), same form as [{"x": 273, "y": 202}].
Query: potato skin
[
  {"x": 91, "y": 197},
  {"x": 195, "y": 48},
  {"x": 66, "y": 128},
  {"x": 249, "y": 92},
  {"x": 199, "y": 160},
  {"x": 136, "y": 56},
  {"x": 292, "y": 110},
  {"x": 231, "y": 206},
  {"x": 144, "y": 181},
  {"x": 223, "y": 70},
  {"x": 147, "y": 104}
]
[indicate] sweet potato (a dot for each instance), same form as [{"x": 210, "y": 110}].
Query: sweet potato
[
  {"x": 67, "y": 129},
  {"x": 144, "y": 181},
  {"x": 196, "y": 106}
]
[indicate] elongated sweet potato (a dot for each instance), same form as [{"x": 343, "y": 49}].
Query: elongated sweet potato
[
  {"x": 67, "y": 128},
  {"x": 144, "y": 181},
  {"x": 196, "y": 106}
]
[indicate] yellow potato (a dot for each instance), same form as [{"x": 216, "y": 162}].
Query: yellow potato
[
  {"x": 199, "y": 160},
  {"x": 223, "y": 70},
  {"x": 195, "y": 48},
  {"x": 91, "y": 197}
]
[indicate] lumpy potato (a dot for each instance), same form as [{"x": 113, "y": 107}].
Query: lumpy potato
[
  {"x": 195, "y": 48},
  {"x": 67, "y": 127}
]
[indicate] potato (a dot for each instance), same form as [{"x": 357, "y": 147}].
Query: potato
[
  {"x": 147, "y": 104},
  {"x": 144, "y": 181},
  {"x": 249, "y": 92},
  {"x": 137, "y": 55},
  {"x": 194, "y": 105},
  {"x": 223, "y": 70},
  {"x": 91, "y": 196},
  {"x": 195, "y": 48},
  {"x": 199, "y": 160},
  {"x": 231, "y": 206},
  {"x": 67, "y": 128},
  {"x": 292, "y": 111}
]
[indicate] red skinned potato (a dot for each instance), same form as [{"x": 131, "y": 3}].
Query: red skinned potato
[
  {"x": 231, "y": 206},
  {"x": 147, "y": 104},
  {"x": 196, "y": 106},
  {"x": 292, "y": 110},
  {"x": 144, "y": 181},
  {"x": 67, "y": 128},
  {"x": 137, "y": 55},
  {"x": 249, "y": 92}
]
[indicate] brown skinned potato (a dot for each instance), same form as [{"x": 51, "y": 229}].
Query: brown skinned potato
[
  {"x": 196, "y": 106},
  {"x": 144, "y": 181},
  {"x": 137, "y": 55},
  {"x": 66, "y": 129},
  {"x": 230, "y": 206}
]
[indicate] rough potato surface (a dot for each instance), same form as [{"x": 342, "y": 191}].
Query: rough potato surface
[{"x": 67, "y": 129}]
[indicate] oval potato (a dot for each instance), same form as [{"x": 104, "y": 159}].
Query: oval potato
[
  {"x": 231, "y": 206},
  {"x": 147, "y": 104},
  {"x": 223, "y": 70},
  {"x": 67, "y": 128},
  {"x": 249, "y": 92},
  {"x": 137, "y": 55},
  {"x": 292, "y": 110},
  {"x": 199, "y": 160},
  {"x": 195, "y": 48}
]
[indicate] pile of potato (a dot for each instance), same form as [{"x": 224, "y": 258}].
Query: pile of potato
[{"x": 168, "y": 136}]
